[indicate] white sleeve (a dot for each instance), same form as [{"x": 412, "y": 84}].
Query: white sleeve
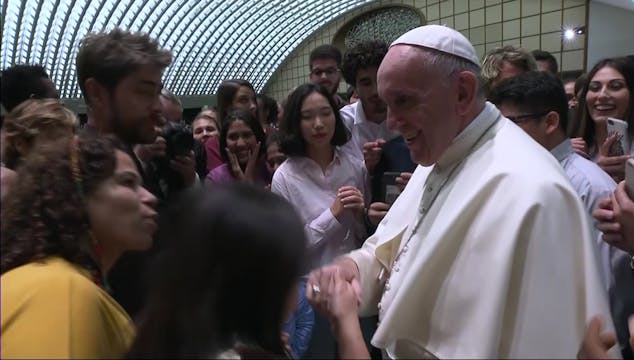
[{"x": 317, "y": 229}]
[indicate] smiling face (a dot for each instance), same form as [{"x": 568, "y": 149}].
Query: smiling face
[
  {"x": 121, "y": 210},
  {"x": 241, "y": 140},
  {"x": 420, "y": 103},
  {"x": 608, "y": 95},
  {"x": 317, "y": 122}
]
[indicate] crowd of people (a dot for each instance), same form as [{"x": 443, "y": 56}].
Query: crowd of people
[{"x": 446, "y": 207}]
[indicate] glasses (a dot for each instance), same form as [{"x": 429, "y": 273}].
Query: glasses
[
  {"x": 522, "y": 118},
  {"x": 319, "y": 72}
]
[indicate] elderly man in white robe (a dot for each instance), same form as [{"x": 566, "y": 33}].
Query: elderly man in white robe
[{"x": 487, "y": 252}]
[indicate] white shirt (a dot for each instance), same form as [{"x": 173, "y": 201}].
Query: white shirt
[
  {"x": 362, "y": 130},
  {"x": 301, "y": 181},
  {"x": 502, "y": 264},
  {"x": 593, "y": 185}
]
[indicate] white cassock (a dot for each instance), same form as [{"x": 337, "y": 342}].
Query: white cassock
[{"x": 501, "y": 264}]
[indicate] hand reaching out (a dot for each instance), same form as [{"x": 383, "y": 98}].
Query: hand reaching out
[
  {"x": 320, "y": 280},
  {"x": 334, "y": 291},
  {"x": 580, "y": 147},
  {"x": 372, "y": 153},
  {"x": 343, "y": 303},
  {"x": 596, "y": 345}
]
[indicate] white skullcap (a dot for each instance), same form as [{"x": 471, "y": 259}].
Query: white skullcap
[{"x": 441, "y": 38}]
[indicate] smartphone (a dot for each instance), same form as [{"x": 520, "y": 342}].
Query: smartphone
[
  {"x": 389, "y": 186},
  {"x": 629, "y": 178},
  {"x": 622, "y": 145}
]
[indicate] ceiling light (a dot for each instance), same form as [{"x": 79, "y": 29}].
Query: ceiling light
[{"x": 569, "y": 34}]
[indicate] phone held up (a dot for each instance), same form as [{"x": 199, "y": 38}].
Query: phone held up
[
  {"x": 623, "y": 142},
  {"x": 389, "y": 187}
]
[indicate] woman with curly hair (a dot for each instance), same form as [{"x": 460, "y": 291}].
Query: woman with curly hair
[
  {"x": 77, "y": 207},
  {"x": 27, "y": 126}
]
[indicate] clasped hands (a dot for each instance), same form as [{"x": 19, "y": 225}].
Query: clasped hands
[{"x": 334, "y": 292}]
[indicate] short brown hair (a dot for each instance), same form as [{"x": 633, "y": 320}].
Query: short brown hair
[
  {"x": 109, "y": 57},
  {"x": 32, "y": 121}
]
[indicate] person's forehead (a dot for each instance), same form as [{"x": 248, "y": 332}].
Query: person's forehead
[
  {"x": 324, "y": 63},
  {"x": 202, "y": 122},
  {"x": 238, "y": 126},
  {"x": 243, "y": 90},
  {"x": 124, "y": 162},
  {"x": 315, "y": 99},
  {"x": 403, "y": 68},
  {"x": 167, "y": 103},
  {"x": 399, "y": 56},
  {"x": 367, "y": 72},
  {"x": 147, "y": 74},
  {"x": 509, "y": 67},
  {"x": 543, "y": 64},
  {"x": 607, "y": 73}
]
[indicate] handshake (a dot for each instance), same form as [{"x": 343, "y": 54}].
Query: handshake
[{"x": 334, "y": 292}]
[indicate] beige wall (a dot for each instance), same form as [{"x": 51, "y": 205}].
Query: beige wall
[
  {"x": 609, "y": 36},
  {"x": 532, "y": 24}
]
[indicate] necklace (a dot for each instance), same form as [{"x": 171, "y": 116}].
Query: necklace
[{"x": 423, "y": 208}]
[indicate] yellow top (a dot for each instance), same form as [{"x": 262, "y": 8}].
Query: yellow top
[{"x": 52, "y": 309}]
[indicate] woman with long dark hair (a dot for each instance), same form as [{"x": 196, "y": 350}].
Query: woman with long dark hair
[
  {"x": 607, "y": 93},
  {"x": 227, "y": 279},
  {"x": 242, "y": 147}
]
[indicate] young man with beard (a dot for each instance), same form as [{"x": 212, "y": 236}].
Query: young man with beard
[{"x": 119, "y": 74}]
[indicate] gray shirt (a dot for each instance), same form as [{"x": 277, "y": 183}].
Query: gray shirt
[{"x": 593, "y": 185}]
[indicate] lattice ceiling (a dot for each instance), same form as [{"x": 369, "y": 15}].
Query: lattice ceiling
[{"x": 211, "y": 40}]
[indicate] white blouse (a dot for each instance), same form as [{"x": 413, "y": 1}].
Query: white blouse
[{"x": 301, "y": 181}]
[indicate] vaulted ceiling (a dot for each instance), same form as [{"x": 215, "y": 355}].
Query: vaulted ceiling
[{"x": 211, "y": 40}]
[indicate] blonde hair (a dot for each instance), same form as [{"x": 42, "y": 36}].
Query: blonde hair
[
  {"x": 31, "y": 122},
  {"x": 494, "y": 60}
]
